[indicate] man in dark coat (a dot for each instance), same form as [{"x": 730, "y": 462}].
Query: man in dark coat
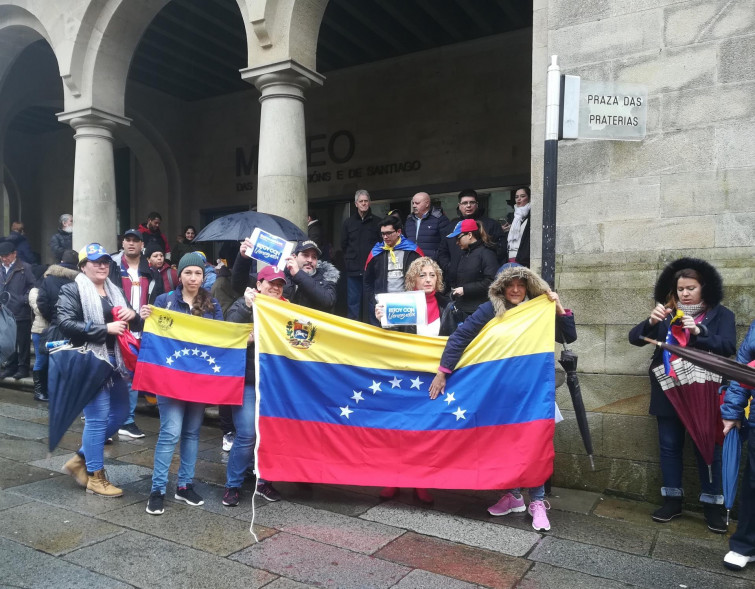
[
  {"x": 151, "y": 232},
  {"x": 427, "y": 226},
  {"x": 469, "y": 208},
  {"x": 16, "y": 280},
  {"x": 359, "y": 233},
  {"x": 17, "y": 236},
  {"x": 387, "y": 263},
  {"x": 62, "y": 239}
]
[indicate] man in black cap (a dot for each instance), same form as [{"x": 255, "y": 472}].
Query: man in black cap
[
  {"x": 16, "y": 280},
  {"x": 311, "y": 281}
]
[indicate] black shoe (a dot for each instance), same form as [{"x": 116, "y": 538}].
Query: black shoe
[
  {"x": 714, "y": 517},
  {"x": 40, "y": 394},
  {"x": 7, "y": 372},
  {"x": 267, "y": 491},
  {"x": 155, "y": 505},
  {"x": 231, "y": 497},
  {"x": 21, "y": 373},
  {"x": 672, "y": 507},
  {"x": 188, "y": 496},
  {"x": 131, "y": 430}
]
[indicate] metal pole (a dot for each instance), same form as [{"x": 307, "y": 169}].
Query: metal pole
[{"x": 550, "y": 170}]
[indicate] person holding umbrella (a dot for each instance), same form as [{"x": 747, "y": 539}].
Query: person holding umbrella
[
  {"x": 688, "y": 292},
  {"x": 738, "y": 396},
  {"x": 512, "y": 287},
  {"x": 84, "y": 313}
]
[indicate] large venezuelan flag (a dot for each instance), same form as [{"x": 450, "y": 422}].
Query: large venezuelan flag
[
  {"x": 191, "y": 358},
  {"x": 344, "y": 402}
]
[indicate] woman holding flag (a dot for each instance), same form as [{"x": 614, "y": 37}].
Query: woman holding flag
[
  {"x": 512, "y": 287},
  {"x": 180, "y": 419},
  {"x": 689, "y": 293}
]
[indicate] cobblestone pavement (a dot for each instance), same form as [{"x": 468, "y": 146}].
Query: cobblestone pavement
[{"x": 52, "y": 534}]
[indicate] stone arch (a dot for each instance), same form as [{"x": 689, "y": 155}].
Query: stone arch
[{"x": 19, "y": 28}]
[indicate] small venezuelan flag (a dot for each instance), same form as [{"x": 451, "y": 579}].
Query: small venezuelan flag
[
  {"x": 344, "y": 402},
  {"x": 192, "y": 359}
]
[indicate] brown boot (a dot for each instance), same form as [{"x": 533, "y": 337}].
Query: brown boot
[
  {"x": 99, "y": 485},
  {"x": 77, "y": 468}
]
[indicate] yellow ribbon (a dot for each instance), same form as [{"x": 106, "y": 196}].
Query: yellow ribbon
[{"x": 389, "y": 249}]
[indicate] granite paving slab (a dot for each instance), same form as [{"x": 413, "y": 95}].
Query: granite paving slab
[
  {"x": 628, "y": 568},
  {"x": 22, "y": 429},
  {"x": 70, "y": 441},
  {"x": 24, "y": 412},
  {"x": 473, "y": 533},
  {"x": 13, "y": 474},
  {"x": 154, "y": 562},
  {"x": 53, "y": 530},
  {"x": 8, "y": 499},
  {"x": 467, "y": 563},
  {"x": 574, "y": 500},
  {"x": 704, "y": 554},
  {"x": 25, "y": 450},
  {"x": 22, "y": 566},
  {"x": 545, "y": 576},
  {"x": 284, "y": 583},
  {"x": 324, "y": 526},
  {"x": 328, "y": 497},
  {"x": 64, "y": 492},
  {"x": 191, "y": 526},
  {"x": 320, "y": 564},
  {"x": 210, "y": 472},
  {"x": 425, "y": 580},
  {"x": 119, "y": 473},
  {"x": 17, "y": 396},
  {"x": 213, "y": 454}
]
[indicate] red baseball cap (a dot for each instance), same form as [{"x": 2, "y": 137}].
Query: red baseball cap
[{"x": 271, "y": 273}]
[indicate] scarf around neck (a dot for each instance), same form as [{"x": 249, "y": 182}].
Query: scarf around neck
[{"x": 521, "y": 214}]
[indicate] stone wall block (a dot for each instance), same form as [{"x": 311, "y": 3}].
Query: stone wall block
[
  {"x": 702, "y": 20},
  {"x": 563, "y": 13},
  {"x": 721, "y": 191},
  {"x": 671, "y": 69},
  {"x": 703, "y": 106},
  {"x": 735, "y": 144},
  {"x": 590, "y": 346},
  {"x": 567, "y": 437},
  {"x": 660, "y": 234},
  {"x": 630, "y": 437},
  {"x": 593, "y": 41},
  {"x": 621, "y": 304},
  {"x": 621, "y": 356},
  {"x": 599, "y": 390},
  {"x": 580, "y": 162},
  {"x": 627, "y": 477},
  {"x": 572, "y": 239},
  {"x": 666, "y": 153},
  {"x": 736, "y": 57},
  {"x": 735, "y": 229},
  {"x": 633, "y": 198}
]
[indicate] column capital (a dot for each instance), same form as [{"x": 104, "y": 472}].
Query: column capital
[
  {"x": 282, "y": 73},
  {"x": 92, "y": 117}
]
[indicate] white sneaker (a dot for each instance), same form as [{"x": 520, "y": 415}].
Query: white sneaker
[
  {"x": 228, "y": 441},
  {"x": 735, "y": 561}
]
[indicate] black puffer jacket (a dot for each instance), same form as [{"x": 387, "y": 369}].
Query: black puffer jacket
[
  {"x": 449, "y": 251},
  {"x": 475, "y": 270},
  {"x": 17, "y": 284},
  {"x": 432, "y": 230},
  {"x": 60, "y": 242},
  {"x": 49, "y": 290},
  {"x": 357, "y": 238},
  {"x": 240, "y": 313}
]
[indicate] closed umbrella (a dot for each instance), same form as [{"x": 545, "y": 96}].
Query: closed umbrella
[
  {"x": 732, "y": 452},
  {"x": 75, "y": 375},
  {"x": 568, "y": 361},
  {"x": 239, "y": 226},
  {"x": 7, "y": 329}
]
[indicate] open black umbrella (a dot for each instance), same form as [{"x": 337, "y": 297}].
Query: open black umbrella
[
  {"x": 569, "y": 362},
  {"x": 239, "y": 226},
  {"x": 731, "y": 369},
  {"x": 75, "y": 375}
]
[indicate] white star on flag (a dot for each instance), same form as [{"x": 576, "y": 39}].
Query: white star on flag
[
  {"x": 204, "y": 354},
  {"x": 185, "y": 351},
  {"x": 169, "y": 360},
  {"x": 416, "y": 382},
  {"x": 396, "y": 382},
  {"x": 211, "y": 360},
  {"x": 177, "y": 354},
  {"x": 345, "y": 411},
  {"x": 357, "y": 396},
  {"x": 459, "y": 413},
  {"x": 449, "y": 398},
  {"x": 375, "y": 387},
  {"x": 216, "y": 368},
  {"x": 195, "y": 352}
]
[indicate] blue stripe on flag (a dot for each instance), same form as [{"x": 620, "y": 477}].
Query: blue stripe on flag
[{"x": 192, "y": 357}]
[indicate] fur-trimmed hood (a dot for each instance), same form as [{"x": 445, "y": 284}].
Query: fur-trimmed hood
[
  {"x": 535, "y": 287},
  {"x": 713, "y": 286},
  {"x": 61, "y": 272},
  {"x": 330, "y": 272}
]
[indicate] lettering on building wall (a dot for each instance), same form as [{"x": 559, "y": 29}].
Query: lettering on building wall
[{"x": 324, "y": 151}]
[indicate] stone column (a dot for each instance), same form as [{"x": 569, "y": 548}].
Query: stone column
[
  {"x": 94, "y": 205},
  {"x": 282, "y": 167}
]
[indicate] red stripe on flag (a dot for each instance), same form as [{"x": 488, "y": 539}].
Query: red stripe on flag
[
  {"x": 491, "y": 457},
  {"x": 186, "y": 386}
]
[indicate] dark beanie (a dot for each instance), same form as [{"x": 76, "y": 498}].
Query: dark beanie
[
  {"x": 70, "y": 257},
  {"x": 190, "y": 259},
  {"x": 153, "y": 247}
]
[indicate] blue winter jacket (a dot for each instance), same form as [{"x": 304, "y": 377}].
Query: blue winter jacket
[
  {"x": 737, "y": 396},
  {"x": 434, "y": 227},
  {"x": 173, "y": 301}
]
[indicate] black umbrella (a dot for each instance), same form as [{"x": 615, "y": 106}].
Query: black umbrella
[
  {"x": 731, "y": 369},
  {"x": 7, "y": 328},
  {"x": 569, "y": 362},
  {"x": 239, "y": 226},
  {"x": 74, "y": 378}
]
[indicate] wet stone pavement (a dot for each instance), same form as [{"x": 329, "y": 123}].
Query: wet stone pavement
[{"x": 52, "y": 534}]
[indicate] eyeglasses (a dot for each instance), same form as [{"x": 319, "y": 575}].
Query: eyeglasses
[
  {"x": 467, "y": 203},
  {"x": 387, "y": 233},
  {"x": 99, "y": 262}
]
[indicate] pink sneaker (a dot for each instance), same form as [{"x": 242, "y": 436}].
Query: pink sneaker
[
  {"x": 537, "y": 510},
  {"x": 507, "y": 504}
]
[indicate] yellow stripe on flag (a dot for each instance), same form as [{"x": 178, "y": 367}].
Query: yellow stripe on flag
[{"x": 189, "y": 328}]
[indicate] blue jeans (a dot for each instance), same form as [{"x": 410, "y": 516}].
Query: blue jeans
[
  {"x": 178, "y": 420},
  {"x": 104, "y": 415},
  {"x": 743, "y": 539},
  {"x": 242, "y": 453},
  {"x": 133, "y": 398},
  {"x": 671, "y": 433},
  {"x": 536, "y": 493},
  {"x": 40, "y": 359},
  {"x": 354, "y": 292}
]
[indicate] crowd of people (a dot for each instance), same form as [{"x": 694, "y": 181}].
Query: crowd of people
[{"x": 471, "y": 270}]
